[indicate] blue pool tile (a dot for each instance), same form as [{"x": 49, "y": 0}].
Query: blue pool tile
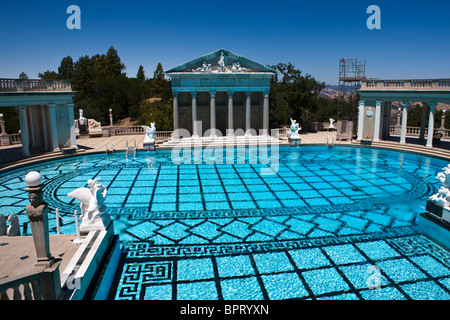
[
  {"x": 204, "y": 290},
  {"x": 239, "y": 189},
  {"x": 158, "y": 292},
  {"x": 195, "y": 269},
  {"x": 431, "y": 265},
  {"x": 377, "y": 250},
  {"x": 243, "y": 205},
  {"x": 115, "y": 199},
  {"x": 279, "y": 187},
  {"x": 212, "y": 189},
  {"x": 231, "y": 266},
  {"x": 425, "y": 290},
  {"x": 241, "y": 289},
  {"x": 165, "y": 190},
  {"x": 166, "y": 198},
  {"x": 138, "y": 199},
  {"x": 269, "y": 227},
  {"x": 272, "y": 262},
  {"x": 190, "y": 189},
  {"x": 211, "y": 182},
  {"x": 163, "y": 207},
  {"x": 400, "y": 270},
  {"x": 238, "y": 229},
  {"x": 217, "y": 205},
  {"x": 265, "y": 204},
  {"x": 140, "y": 191},
  {"x": 286, "y": 195},
  {"x": 386, "y": 293},
  {"x": 316, "y": 201},
  {"x": 263, "y": 195},
  {"x": 330, "y": 281},
  {"x": 215, "y": 197},
  {"x": 284, "y": 286},
  {"x": 309, "y": 194},
  {"x": 343, "y": 254},
  {"x": 182, "y": 206},
  {"x": 241, "y": 196},
  {"x": 189, "y": 197},
  {"x": 340, "y": 200},
  {"x": 294, "y": 203},
  {"x": 309, "y": 258}
]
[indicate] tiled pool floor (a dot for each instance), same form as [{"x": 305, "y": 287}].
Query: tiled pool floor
[{"x": 327, "y": 224}]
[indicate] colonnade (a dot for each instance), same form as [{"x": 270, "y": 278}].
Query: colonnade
[{"x": 230, "y": 125}]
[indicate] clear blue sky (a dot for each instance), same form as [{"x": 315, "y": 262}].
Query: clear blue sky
[{"x": 414, "y": 40}]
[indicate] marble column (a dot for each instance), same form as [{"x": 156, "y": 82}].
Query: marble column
[
  {"x": 404, "y": 122},
  {"x": 212, "y": 96},
  {"x": 266, "y": 113},
  {"x": 360, "y": 119},
  {"x": 423, "y": 121},
  {"x": 53, "y": 128},
  {"x": 73, "y": 137},
  {"x": 430, "y": 125},
  {"x": 175, "y": 114},
  {"x": 24, "y": 130},
  {"x": 194, "y": 115},
  {"x": 230, "y": 112},
  {"x": 376, "y": 129},
  {"x": 248, "y": 108}
]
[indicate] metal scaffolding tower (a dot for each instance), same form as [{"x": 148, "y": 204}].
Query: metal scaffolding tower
[{"x": 351, "y": 72}]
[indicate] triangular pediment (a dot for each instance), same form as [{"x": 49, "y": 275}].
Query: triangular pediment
[{"x": 221, "y": 61}]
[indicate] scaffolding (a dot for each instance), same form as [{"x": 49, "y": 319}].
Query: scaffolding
[{"x": 351, "y": 72}]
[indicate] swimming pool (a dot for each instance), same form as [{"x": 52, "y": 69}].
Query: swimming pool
[{"x": 329, "y": 224}]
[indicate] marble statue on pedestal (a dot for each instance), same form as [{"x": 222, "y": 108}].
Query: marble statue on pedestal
[
  {"x": 37, "y": 212},
  {"x": 83, "y": 125},
  {"x": 150, "y": 135},
  {"x": 93, "y": 210},
  {"x": 14, "y": 228},
  {"x": 331, "y": 126},
  {"x": 294, "y": 137}
]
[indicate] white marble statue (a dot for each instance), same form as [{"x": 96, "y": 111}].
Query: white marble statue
[
  {"x": 82, "y": 120},
  {"x": 14, "y": 228},
  {"x": 444, "y": 177},
  {"x": 150, "y": 134},
  {"x": 331, "y": 123},
  {"x": 237, "y": 67},
  {"x": 204, "y": 68},
  {"x": 222, "y": 67},
  {"x": 93, "y": 211},
  {"x": 442, "y": 197},
  {"x": 293, "y": 131}
]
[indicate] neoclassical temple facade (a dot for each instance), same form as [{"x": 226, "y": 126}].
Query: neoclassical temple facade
[
  {"x": 376, "y": 97},
  {"x": 219, "y": 93},
  {"x": 46, "y": 112}
]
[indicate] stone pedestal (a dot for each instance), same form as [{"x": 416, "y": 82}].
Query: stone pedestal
[
  {"x": 37, "y": 212},
  {"x": 4, "y": 139},
  {"x": 295, "y": 141},
  {"x": 101, "y": 222}
]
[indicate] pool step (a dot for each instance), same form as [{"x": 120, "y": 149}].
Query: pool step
[{"x": 221, "y": 141}]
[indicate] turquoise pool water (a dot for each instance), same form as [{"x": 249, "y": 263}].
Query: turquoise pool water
[{"x": 329, "y": 224}]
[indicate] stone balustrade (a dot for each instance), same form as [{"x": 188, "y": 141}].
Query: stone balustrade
[
  {"x": 24, "y": 287},
  {"x": 21, "y": 85},
  {"x": 413, "y": 84}
]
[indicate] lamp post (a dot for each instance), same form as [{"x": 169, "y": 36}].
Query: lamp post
[{"x": 110, "y": 117}]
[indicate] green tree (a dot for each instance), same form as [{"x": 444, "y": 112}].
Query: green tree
[
  {"x": 293, "y": 95},
  {"x": 66, "y": 68},
  {"x": 114, "y": 65},
  {"x": 160, "y": 112},
  {"x": 159, "y": 72},
  {"x": 141, "y": 74},
  {"x": 23, "y": 76},
  {"x": 48, "y": 75}
]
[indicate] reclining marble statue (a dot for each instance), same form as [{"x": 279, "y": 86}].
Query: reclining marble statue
[
  {"x": 150, "y": 135},
  {"x": 93, "y": 210}
]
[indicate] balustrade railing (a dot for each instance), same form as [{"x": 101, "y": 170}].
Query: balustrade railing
[
  {"x": 15, "y": 138},
  {"x": 415, "y": 131},
  {"x": 439, "y": 84},
  {"x": 20, "y": 85},
  {"x": 25, "y": 287}
]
